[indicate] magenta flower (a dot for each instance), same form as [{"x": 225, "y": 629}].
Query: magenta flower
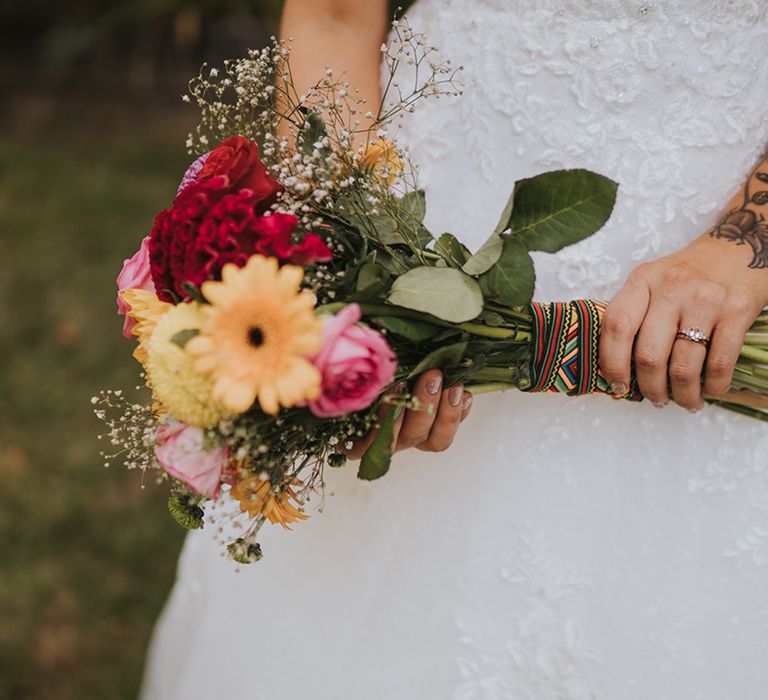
[{"x": 355, "y": 362}]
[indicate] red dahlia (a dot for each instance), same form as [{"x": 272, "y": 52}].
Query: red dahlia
[{"x": 210, "y": 225}]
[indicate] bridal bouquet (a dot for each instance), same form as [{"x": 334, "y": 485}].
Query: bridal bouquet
[{"x": 291, "y": 292}]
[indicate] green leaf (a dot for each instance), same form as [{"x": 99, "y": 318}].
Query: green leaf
[
  {"x": 408, "y": 328},
  {"x": 414, "y": 205},
  {"x": 445, "y": 293},
  {"x": 385, "y": 228},
  {"x": 491, "y": 318},
  {"x": 183, "y": 337},
  {"x": 399, "y": 221},
  {"x": 485, "y": 258},
  {"x": 312, "y": 131},
  {"x": 511, "y": 280},
  {"x": 372, "y": 282},
  {"x": 185, "y": 511},
  {"x": 451, "y": 250},
  {"x": 382, "y": 227},
  {"x": 442, "y": 358},
  {"x": 557, "y": 209},
  {"x": 412, "y": 209},
  {"x": 193, "y": 292},
  {"x": 463, "y": 373},
  {"x": 394, "y": 264},
  {"x": 377, "y": 458},
  {"x": 506, "y": 215}
]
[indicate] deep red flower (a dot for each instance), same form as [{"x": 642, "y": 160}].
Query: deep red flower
[
  {"x": 238, "y": 159},
  {"x": 209, "y": 226}
]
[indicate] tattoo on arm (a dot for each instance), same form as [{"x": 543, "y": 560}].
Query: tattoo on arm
[{"x": 745, "y": 222}]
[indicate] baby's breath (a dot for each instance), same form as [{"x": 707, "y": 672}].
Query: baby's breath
[{"x": 131, "y": 430}]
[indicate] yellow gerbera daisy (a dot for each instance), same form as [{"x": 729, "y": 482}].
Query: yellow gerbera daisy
[
  {"x": 256, "y": 498},
  {"x": 146, "y": 309},
  {"x": 259, "y": 328},
  {"x": 176, "y": 385},
  {"x": 382, "y": 158}
]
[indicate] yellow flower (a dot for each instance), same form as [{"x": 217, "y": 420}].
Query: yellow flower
[
  {"x": 176, "y": 385},
  {"x": 256, "y": 498},
  {"x": 146, "y": 309},
  {"x": 259, "y": 328},
  {"x": 382, "y": 158}
]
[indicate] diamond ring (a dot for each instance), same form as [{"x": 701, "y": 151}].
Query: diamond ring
[{"x": 693, "y": 334}]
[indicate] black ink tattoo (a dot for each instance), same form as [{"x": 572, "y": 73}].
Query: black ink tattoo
[{"x": 747, "y": 224}]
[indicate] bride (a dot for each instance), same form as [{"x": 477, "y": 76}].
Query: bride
[{"x": 562, "y": 548}]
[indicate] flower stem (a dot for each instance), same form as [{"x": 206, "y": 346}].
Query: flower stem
[
  {"x": 487, "y": 388},
  {"x": 752, "y": 353},
  {"x": 477, "y": 329},
  {"x": 505, "y": 375}
]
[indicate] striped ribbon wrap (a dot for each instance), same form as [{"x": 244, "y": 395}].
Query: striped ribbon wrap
[{"x": 566, "y": 337}]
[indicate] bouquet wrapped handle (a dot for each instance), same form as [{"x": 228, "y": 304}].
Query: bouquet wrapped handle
[{"x": 564, "y": 360}]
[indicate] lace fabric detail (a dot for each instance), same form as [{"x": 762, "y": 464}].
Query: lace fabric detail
[
  {"x": 531, "y": 645},
  {"x": 650, "y": 94}
]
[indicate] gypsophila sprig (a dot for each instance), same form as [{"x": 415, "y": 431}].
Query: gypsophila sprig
[{"x": 131, "y": 430}]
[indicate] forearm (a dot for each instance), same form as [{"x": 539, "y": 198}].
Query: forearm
[
  {"x": 343, "y": 34},
  {"x": 744, "y": 221}
]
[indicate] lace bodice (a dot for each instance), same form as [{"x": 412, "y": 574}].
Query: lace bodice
[
  {"x": 563, "y": 549},
  {"x": 667, "y": 98}
]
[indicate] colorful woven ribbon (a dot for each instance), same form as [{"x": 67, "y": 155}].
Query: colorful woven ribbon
[{"x": 565, "y": 349}]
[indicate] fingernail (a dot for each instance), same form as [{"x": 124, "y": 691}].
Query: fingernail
[
  {"x": 466, "y": 401},
  {"x": 434, "y": 384},
  {"x": 454, "y": 394},
  {"x": 659, "y": 404},
  {"x": 619, "y": 388},
  {"x": 695, "y": 410}
]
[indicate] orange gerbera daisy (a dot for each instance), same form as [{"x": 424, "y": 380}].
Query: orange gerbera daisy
[
  {"x": 258, "y": 332},
  {"x": 382, "y": 158},
  {"x": 257, "y": 498}
]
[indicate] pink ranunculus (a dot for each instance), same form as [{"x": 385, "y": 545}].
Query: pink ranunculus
[
  {"x": 355, "y": 362},
  {"x": 134, "y": 275},
  {"x": 181, "y": 451}
]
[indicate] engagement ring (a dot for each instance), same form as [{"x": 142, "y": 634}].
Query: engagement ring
[{"x": 693, "y": 334}]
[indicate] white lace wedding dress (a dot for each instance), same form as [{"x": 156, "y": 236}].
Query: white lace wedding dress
[{"x": 563, "y": 548}]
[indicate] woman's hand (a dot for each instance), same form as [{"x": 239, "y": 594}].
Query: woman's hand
[
  {"x": 708, "y": 285},
  {"x": 431, "y": 428},
  {"x": 718, "y": 284}
]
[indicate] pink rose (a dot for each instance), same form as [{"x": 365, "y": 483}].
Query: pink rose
[
  {"x": 355, "y": 362},
  {"x": 181, "y": 451},
  {"x": 134, "y": 275}
]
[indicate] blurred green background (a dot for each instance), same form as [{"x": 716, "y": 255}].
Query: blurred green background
[
  {"x": 91, "y": 147},
  {"x": 92, "y": 129}
]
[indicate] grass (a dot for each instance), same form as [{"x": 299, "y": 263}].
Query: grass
[{"x": 86, "y": 556}]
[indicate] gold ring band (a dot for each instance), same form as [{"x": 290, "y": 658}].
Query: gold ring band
[{"x": 695, "y": 335}]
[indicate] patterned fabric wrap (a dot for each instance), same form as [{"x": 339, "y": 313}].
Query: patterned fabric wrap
[{"x": 566, "y": 336}]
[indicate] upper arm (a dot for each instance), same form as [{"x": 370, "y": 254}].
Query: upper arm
[
  {"x": 365, "y": 16},
  {"x": 343, "y": 34}
]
